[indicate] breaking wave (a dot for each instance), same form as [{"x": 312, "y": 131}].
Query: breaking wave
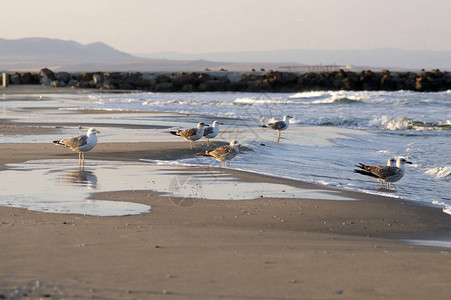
[
  {"x": 443, "y": 173},
  {"x": 389, "y": 123},
  {"x": 302, "y": 101},
  {"x": 382, "y": 123},
  {"x": 249, "y": 100}
]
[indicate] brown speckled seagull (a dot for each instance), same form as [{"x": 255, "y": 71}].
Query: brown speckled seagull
[
  {"x": 81, "y": 144},
  {"x": 192, "y": 134},
  {"x": 223, "y": 153},
  {"x": 387, "y": 174}
]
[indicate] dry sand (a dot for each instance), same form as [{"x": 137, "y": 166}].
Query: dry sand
[{"x": 248, "y": 249}]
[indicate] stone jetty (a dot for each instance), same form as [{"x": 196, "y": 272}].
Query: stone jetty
[{"x": 208, "y": 81}]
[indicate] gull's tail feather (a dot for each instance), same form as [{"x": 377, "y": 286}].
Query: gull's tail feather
[
  {"x": 174, "y": 132},
  {"x": 361, "y": 166},
  {"x": 363, "y": 172},
  {"x": 203, "y": 154}
]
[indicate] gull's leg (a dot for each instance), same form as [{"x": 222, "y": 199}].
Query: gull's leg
[
  {"x": 191, "y": 144},
  {"x": 278, "y": 140},
  {"x": 195, "y": 146},
  {"x": 83, "y": 155},
  {"x": 79, "y": 159},
  {"x": 208, "y": 142}
]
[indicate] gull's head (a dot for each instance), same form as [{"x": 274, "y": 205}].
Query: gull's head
[
  {"x": 216, "y": 123},
  {"x": 201, "y": 124},
  {"x": 287, "y": 118},
  {"x": 402, "y": 161},
  {"x": 235, "y": 143},
  {"x": 391, "y": 162},
  {"x": 92, "y": 131}
]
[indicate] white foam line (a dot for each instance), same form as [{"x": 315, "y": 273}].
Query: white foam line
[{"x": 430, "y": 243}]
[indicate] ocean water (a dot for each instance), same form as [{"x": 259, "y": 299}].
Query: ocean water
[{"x": 330, "y": 132}]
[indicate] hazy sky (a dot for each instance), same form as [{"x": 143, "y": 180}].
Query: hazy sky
[{"x": 195, "y": 26}]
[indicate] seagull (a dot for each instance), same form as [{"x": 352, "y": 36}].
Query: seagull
[
  {"x": 80, "y": 144},
  {"x": 212, "y": 132},
  {"x": 391, "y": 162},
  {"x": 223, "y": 153},
  {"x": 192, "y": 135},
  {"x": 383, "y": 174},
  {"x": 279, "y": 125}
]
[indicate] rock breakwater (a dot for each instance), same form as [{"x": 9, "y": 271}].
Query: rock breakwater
[{"x": 272, "y": 81}]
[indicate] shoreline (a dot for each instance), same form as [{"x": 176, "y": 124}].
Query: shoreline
[
  {"x": 20, "y": 153},
  {"x": 166, "y": 150},
  {"x": 266, "y": 248},
  {"x": 136, "y": 151}
]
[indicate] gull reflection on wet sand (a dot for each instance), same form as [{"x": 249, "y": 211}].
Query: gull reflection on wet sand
[
  {"x": 54, "y": 186},
  {"x": 79, "y": 178}
]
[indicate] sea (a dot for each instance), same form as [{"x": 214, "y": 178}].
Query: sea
[{"x": 330, "y": 132}]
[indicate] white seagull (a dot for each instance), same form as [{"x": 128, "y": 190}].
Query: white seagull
[
  {"x": 212, "y": 131},
  {"x": 81, "y": 144},
  {"x": 223, "y": 153},
  {"x": 192, "y": 134},
  {"x": 279, "y": 125},
  {"x": 383, "y": 174}
]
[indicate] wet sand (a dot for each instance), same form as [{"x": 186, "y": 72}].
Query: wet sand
[{"x": 248, "y": 249}]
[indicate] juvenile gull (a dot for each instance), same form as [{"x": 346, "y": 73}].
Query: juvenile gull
[
  {"x": 223, "y": 153},
  {"x": 383, "y": 174},
  {"x": 212, "y": 131},
  {"x": 192, "y": 134},
  {"x": 279, "y": 125},
  {"x": 391, "y": 162},
  {"x": 80, "y": 144}
]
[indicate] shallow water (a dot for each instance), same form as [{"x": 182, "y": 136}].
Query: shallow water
[{"x": 59, "y": 186}]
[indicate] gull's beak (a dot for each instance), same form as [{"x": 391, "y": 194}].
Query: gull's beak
[
  {"x": 408, "y": 162},
  {"x": 221, "y": 123},
  {"x": 97, "y": 131}
]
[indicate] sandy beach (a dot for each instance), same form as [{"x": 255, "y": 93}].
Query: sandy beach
[{"x": 266, "y": 248}]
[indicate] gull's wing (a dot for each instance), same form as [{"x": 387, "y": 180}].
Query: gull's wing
[
  {"x": 208, "y": 130},
  {"x": 187, "y": 132},
  {"x": 277, "y": 125},
  {"x": 74, "y": 142}
]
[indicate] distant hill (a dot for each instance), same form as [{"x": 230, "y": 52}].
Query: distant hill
[
  {"x": 376, "y": 58},
  {"x": 45, "y": 50},
  {"x": 33, "y": 54}
]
